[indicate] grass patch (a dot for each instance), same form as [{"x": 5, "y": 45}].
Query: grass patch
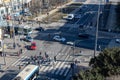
[{"x": 54, "y": 17}]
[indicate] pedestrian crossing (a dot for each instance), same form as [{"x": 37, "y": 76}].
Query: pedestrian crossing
[
  {"x": 58, "y": 68},
  {"x": 61, "y": 68},
  {"x": 21, "y": 61}
]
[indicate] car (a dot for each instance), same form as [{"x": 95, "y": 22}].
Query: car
[
  {"x": 33, "y": 46},
  {"x": 70, "y": 16},
  {"x": 27, "y": 14},
  {"x": 28, "y": 38},
  {"x": 84, "y": 35},
  {"x": 58, "y": 38},
  {"x": 70, "y": 43},
  {"x": 117, "y": 40},
  {"x": 39, "y": 29}
]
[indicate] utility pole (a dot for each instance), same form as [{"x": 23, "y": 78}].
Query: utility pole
[
  {"x": 96, "y": 38},
  {"x": 4, "y": 55},
  {"x": 5, "y": 4}
]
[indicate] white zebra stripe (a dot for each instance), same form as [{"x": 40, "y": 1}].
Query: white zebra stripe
[{"x": 59, "y": 68}]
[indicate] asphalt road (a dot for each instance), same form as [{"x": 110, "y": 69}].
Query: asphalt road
[{"x": 60, "y": 69}]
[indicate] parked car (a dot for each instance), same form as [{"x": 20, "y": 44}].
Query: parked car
[
  {"x": 39, "y": 29},
  {"x": 27, "y": 14},
  {"x": 70, "y": 43},
  {"x": 58, "y": 38},
  {"x": 28, "y": 38},
  {"x": 70, "y": 16},
  {"x": 117, "y": 40},
  {"x": 82, "y": 35},
  {"x": 33, "y": 46}
]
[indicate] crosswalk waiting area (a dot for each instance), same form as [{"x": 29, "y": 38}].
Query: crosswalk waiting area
[{"x": 55, "y": 68}]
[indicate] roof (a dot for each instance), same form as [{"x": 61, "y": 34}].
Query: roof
[{"x": 26, "y": 71}]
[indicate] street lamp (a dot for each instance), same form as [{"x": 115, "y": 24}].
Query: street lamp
[
  {"x": 4, "y": 53},
  {"x": 96, "y": 38},
  {"x": 73, "y": 47}
]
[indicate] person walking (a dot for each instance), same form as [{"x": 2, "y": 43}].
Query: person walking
[
  {"x": 55, "y": 58},
  {"x": 40, "y": 54},
  {"x": 19, "y": 67},
  {"x": 76, "y": 61}
]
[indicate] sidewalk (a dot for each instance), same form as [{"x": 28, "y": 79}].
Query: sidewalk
[{"x": 10, "y": 53}]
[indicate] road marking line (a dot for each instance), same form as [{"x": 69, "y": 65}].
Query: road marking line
[
  {"x": 16, "y": 61},
  {"x": 20, "y": 61},
  {"x": 63, "y": 69},
  {"x": 46, "y": 69},
  {"x": 59, "y": 68},
  {"x": 42, "y": 68},
  {"x": 68, "y": 68},
  {"x": 56, "y": 66}
]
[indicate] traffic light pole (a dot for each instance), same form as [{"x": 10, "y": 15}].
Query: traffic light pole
[{"x": 96, "y": 38}]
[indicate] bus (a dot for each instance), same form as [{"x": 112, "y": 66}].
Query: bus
[
  {"x": 30, "y": 72},
  {"x": 23, "y": 29}
]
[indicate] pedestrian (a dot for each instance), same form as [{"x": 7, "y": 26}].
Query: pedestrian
[
  {"x": 31, "y": 57},
  {"x": 5, "y": 54},
  {"x": 35, "y": 57},
  {"x": 21, "y": 51},
  {"x": 55, "y": 58},
  {"x": 45, "y": 53},
  {"x": 28, "y": 62},
  {"x": 19, "y": 67},
  {"x": 76, "y": 61},
  {"x": 47, "y": 56},
  {"x": 40, "y": 54},
  {"x": 38, "y": 62}
]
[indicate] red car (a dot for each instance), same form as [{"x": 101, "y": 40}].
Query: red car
[{"x": 33, "y": 46}]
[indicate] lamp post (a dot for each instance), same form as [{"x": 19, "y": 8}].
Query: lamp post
[
  {"x": 96, "y": 34},
  {"x": 73, "y": 63},
  {"x": 4, "y": 54},
  {"x": 13, "y": 29}
]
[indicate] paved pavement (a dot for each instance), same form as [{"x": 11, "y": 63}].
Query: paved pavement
[
  {"x": 56, "y": 70},
  {"x": 111, "y": 18},
  {"x": 11, "y": 54},
  {"x": 41, "y": 17}
]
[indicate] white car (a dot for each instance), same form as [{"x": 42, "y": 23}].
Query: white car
[
  {"x": 70, "y": 16},
  {"x": 58, "y": 38},
  {"x": 117, "y": 40},
  {"x": 70, "y": 43}
]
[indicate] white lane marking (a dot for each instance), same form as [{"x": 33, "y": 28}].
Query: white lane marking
[{"x": 16, "y": 61}]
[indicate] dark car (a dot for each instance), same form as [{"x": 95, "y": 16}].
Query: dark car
[
  {"x": 39, "y": 29},
  {"x": 84, "y": 35}
]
